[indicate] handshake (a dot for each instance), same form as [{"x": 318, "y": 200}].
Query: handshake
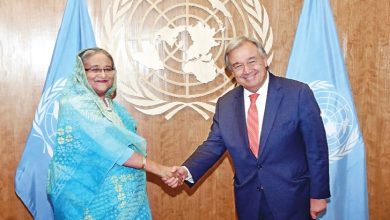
[{"x": 173, "y": 176}]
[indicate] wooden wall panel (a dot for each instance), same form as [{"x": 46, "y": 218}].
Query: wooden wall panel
[
  {"x": 364, "y": 33},
  {"x": 28, "y": 29}
]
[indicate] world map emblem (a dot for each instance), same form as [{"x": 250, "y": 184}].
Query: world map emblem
[
  {"x": 169, "y": 54},
  {"x": 341, "y": 127}
]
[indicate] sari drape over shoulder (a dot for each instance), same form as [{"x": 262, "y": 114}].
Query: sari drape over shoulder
[{"x": 86, "y": 176}]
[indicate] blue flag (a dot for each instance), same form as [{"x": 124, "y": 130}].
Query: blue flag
[
  {"x": 31, "y": 175},
  {"x": 316, "y": 59}
]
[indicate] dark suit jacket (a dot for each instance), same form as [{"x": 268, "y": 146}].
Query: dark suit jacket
[{"x": 292, "y": 166}]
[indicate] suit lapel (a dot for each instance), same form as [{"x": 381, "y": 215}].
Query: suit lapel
[
  {"x": 274, "y": 97},
  {"x": 241, "y": 121}
]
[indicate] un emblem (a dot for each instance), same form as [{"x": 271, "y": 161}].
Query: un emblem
[
  {"x": 169, "y": 54},
  {"x": 336, "y": 112},
  {"x": 45, "y": 120}
]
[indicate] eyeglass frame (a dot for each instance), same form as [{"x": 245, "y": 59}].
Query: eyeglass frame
[
  {"x": 250, "y": 63},
  {"x": 108, "y": 70}
]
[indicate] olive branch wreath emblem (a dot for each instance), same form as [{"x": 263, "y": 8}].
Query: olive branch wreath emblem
[
  {"x": 143, "y": 99},
  {"x": 354, "y": 134},
  {"x": 48, "y": 99}
]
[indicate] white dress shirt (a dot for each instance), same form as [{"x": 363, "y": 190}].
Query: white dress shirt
[{"x": 260, "y": 102}]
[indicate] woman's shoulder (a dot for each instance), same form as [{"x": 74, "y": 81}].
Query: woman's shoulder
[
  {"x": 124, "y": 114},
  {"x": 120, "y": 108},
  {"x": 72, "y": 99}
]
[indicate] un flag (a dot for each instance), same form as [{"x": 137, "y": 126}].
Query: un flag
[
  {"x": 31, "y": 175},
  {"x": 317, "y": 60}
]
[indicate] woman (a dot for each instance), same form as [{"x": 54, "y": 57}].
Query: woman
[{"x": 99, "y": 162}]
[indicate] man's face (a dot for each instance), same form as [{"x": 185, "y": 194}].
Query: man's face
[{"x": 248, "y": 66}]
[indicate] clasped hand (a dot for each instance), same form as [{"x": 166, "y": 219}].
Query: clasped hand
[{"x": 175, "y": 176}]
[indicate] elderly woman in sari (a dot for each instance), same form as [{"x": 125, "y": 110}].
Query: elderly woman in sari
[{"x": 99, "y": 163}]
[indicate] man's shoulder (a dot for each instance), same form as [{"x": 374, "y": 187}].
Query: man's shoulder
[
  {"x": 286, "y": 83},
  {"x": 235, "y": 92}
]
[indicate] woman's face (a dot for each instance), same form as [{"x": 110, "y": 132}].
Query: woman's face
[{"x": 100, "y": 73}]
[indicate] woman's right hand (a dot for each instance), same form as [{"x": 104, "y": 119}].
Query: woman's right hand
[
  {"x": 169, "y": 173},
  {"x": 179, "y": 175},
  {"x": 165, "y": 172}
]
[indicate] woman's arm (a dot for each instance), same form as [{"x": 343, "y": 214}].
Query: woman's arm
[{"x": 138, "y": 161}]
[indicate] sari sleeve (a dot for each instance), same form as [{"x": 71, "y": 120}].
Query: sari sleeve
[{"x": 109, "y": 140}]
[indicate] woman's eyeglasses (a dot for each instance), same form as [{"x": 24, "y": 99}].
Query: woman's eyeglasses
[{"x": 99, "y": 70}]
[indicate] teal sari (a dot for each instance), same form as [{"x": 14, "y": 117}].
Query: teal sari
[{"x": 86, "y": 176}]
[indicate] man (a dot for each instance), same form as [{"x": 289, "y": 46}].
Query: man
[{"x": 277, "y": 141}]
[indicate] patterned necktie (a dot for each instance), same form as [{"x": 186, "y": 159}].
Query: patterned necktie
[{"x": 253, "y": 125}]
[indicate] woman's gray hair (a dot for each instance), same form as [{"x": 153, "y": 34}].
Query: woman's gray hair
[{"x": 237, "y": 42}]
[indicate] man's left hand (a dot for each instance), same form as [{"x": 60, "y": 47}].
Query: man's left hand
[{"x": 316, "y": 207}]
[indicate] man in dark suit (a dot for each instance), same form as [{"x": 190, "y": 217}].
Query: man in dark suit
[{"x": 277, "y": 141}]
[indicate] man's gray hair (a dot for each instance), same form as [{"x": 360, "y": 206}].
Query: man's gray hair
[{"x": 237, "y": 42}]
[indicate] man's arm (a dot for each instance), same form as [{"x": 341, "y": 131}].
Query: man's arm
[
  {"x": 314, "y": 135},
  {"x": 204, "y": 156}
]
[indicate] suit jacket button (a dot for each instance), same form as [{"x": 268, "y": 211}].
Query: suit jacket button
[{"x": 259, "y": 166}]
